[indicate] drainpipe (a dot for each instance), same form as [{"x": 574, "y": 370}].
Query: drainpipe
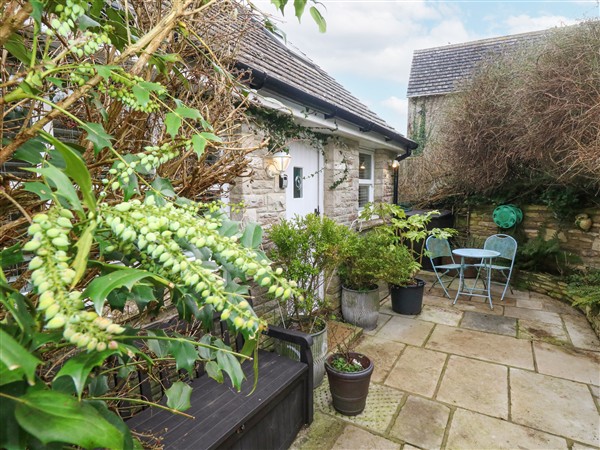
[{"x": 396, "y": 170}]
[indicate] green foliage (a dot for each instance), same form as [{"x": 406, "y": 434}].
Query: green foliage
[
  {"x": 366, "y": 260},
  {"x": 585, "y": 288},
  {"x": 110, "y": 226},
  {"x": 309, "y": 250},
  {"x": 345, "y": 363},
  {"x": 405, "y": 231},
  {"x": 541, "y": 255}
]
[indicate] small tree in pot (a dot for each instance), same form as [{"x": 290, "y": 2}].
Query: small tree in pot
[
  {"x": 370, "y": 257},
  {"x": 409, "y": 232},
  {"x": 309, "y": 249}
]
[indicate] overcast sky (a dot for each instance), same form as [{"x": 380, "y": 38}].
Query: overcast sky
[{"x": 369, "y": 44}]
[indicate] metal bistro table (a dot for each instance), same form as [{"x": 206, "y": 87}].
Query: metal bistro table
[{"x": 486, "y": 257}]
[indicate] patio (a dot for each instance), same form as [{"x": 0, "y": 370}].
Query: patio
[{"x": 525, "y": 375}]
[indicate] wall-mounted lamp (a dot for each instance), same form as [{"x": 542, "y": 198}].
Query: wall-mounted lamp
[
  {"x": 395, "y": 164},
  {"x": 362, "y": 166},
  {"x": 277, "y": 164}
]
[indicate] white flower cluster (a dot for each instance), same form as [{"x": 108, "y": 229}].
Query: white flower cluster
[
  {"x": 66, "y": 16},
  {"x": 157, "y": 231},
  {"x": 121, "y": 86},
  {"x": 52, "y": 275},
  {"x": 151, "y": 159}
]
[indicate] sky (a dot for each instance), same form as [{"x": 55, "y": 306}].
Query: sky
[{"x": 369, "y": 44}]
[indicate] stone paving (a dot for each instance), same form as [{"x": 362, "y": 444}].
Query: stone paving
[{"x": 524, "y": 375}]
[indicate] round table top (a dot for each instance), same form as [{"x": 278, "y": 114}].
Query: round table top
[{"x": 475, "y": 253}]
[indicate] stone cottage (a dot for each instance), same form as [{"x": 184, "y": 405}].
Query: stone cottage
[{"x": 355, "y": 166}]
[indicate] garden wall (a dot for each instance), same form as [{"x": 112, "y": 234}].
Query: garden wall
[
  {"x": 536, "y": 218},
  {"x": 554, "y": 287}
]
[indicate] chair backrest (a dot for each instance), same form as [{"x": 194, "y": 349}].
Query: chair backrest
[
  {"x": 438, "y": 247},
  {"x": 503, "y": 243}
]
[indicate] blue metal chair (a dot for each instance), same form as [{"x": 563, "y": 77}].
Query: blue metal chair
[
  {"x": 436, "y": 248},
  {"x": 507, "y": 247}
]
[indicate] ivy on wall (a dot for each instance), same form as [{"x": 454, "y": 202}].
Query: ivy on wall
[{"x": 281, "y": 130}]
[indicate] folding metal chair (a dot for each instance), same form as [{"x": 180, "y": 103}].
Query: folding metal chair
[
  {"x": 507, "y": 247},
  {"x": 436, "y": 248}
]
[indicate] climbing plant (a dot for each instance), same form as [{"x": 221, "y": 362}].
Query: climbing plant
[
  {"x": 281, "y": 130},
  {"x": 105, "y": 227}
]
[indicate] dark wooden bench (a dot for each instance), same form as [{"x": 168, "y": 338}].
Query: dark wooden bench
[{"x": 269, "y": 418}]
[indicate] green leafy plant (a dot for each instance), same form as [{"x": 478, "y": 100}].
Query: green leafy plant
[
  {"x": 345, "y": 363},
  {"x": 405, "y": 231},
  {"x": 105, "y": 233},
  {"x": 584, "y": 287},
  {"x": 541, "y": 255},
  {"x": 309, "y": 250}
]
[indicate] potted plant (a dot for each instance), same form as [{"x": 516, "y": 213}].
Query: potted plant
[
  {"x": 308, "y": 249},
  {"x": 369, "y": 256},
  {"x": 406, "y": 290},
  {"x": 349, "y": 375}
]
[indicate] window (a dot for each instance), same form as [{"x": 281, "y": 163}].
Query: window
[{"x": 365, "y": 179}]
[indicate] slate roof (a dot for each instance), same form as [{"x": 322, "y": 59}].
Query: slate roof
[
  {"x": 265, "y": 54},
  {"x": 438, "y": 70}
]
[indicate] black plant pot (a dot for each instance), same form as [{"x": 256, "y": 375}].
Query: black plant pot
[
  {"x": 408, "y": 300},
  {"x": 349, "y": 390}
]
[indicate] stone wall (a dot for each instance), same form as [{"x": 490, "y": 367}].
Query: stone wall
[
  {"x": 340, "y": 203},
  {"x": 536, "y": 219},
  {"x": 424, "y": 119},
  {"x": 555, "y": 288}
]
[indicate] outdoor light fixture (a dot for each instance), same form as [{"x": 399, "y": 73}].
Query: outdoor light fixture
[
  {"x": 395, "y": 164},
  {"x": 362, "y": 166},
  {"x": 277, "y": 164}
]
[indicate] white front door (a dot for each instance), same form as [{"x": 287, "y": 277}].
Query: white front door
[{"x": 305, "y": 181}]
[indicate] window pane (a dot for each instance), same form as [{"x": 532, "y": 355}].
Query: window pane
[
  {"x": 298, "y": 181},
  {"x": 363, "y": 195},
  {"x": 364, "y": 166}
]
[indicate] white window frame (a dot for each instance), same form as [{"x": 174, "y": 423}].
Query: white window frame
[{"x": 364, "y": 181}]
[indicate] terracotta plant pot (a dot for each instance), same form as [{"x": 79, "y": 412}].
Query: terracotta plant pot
[{"x": 349, "y": 390}]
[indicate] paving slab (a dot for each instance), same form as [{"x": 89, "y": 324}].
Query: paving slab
[
  {"x": 533, "y": 314},
  {"x": 421, "y": 422},
  {"x": 382, "y": 352},
  {"x": 470, "y": 430},
  {"x": 530, "y": 303},
  {"x": 566, "y": 362},
  {"x": 440, "y": 314},
  {"x": 560, "y": 307},
  {"x": 581, "y": 332},
  {"x": 386, "y": 309},
  {"x": 475, "y": 344},
  {"x": 418, "y": 371},
  {"x": 405, "y": 330},
  {"x": 321, "y": 434},
  {"x": 483, "y": 308},
  {"x": 554, "y": 405},
  {"x": 475, "y": 385},
  {"x": 382, "y": 404},
  {"x": 578, "y": 446},
  {"x": 381, "y": 321},
  {"x": 358, "y": 439},
  {"x": 542, "y": 331},
  {"x": 489, "y": 323}
]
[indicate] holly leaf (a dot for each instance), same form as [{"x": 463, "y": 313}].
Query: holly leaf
[
  {"x": 173, "y": 123},
  {"x": 11, "y": 256},
  {"x": 101, "y": 286},
  {"x": 64, "y": 188},
  {"x": 79, "y": 367},
  {"x": 252, "y": 236},
  {"x": 16, "y": 358},
  {"x": 185, "y": 355},
  {"x": 55, "y": 417},
  {"x": 15, "y": 46},
  {"x": 229, "y": 363},
  {"x": 40, "y": 189},
  {"x": 178, "y": 396},
  {"x": 199, "y": 144},
  {"x": 213, "y": 371},
  {"x": 164, "y": 186},
  {"x": 97, "y": 136},
  {"x": 159, "y": 347},
  {"x": 31, "y": 151}
]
